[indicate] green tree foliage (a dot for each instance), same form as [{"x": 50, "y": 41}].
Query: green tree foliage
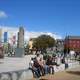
[
  {"x": 26, "y": 49},
  {"x": 43, "y": 42}
]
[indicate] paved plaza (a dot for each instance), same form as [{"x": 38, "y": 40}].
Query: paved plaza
[{"x": 70, "y": 74}]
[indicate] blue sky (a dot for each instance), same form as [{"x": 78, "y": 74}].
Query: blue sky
[{"x": 56, "y": 16}]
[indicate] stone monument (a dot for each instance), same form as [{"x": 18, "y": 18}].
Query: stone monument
[{"x": 19, "y": 52}]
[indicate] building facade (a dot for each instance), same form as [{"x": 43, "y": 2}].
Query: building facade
[{"x": 72, "y": 43}]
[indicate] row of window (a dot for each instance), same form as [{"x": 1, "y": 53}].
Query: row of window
[
  {"x": 74, "y": 41},
  {"x": 74, "y": 45}
]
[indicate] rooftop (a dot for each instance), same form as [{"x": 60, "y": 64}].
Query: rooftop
[{"x": 72, "y": 37}]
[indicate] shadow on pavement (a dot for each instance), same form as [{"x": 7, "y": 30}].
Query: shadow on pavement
[
  {"x": 74, "y": 72},
  {"x": 1, "y": 62}
]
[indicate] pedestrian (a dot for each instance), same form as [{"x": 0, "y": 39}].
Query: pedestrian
[
  {"x": 66, "y": 63},
  {"x": 79, "y": 59}
]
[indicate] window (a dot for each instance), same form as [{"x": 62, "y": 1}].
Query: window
[
  {"x": 74, "y": 41},
  {"x": 77, "y": 46},
  {"x": 70, "y": 41},
  {"x": 78, "y": 42},
  {"x": 74, "y": 45}
]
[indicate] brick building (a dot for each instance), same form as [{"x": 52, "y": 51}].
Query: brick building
[{"x": 72, "y": 43}]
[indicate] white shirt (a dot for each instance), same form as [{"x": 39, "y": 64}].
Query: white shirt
[{"x": 31, "y": 63}]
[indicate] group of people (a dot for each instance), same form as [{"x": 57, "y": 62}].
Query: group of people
[{"x": 40, "y": 67}]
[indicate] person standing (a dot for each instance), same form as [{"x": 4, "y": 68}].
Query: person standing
[
  {"x": 66, "y": 63},
  {"x": 79, "y": 58}
]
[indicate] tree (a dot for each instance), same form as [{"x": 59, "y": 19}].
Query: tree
[
  {"x": 43, "y": 42},
  {"x": 26, "y": 49}
]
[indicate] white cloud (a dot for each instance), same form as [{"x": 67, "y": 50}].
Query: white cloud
[
  {"x": 3, "y": 14},
  {"x": 28, "y": 34},
  {"x": 36, "y": 34}
]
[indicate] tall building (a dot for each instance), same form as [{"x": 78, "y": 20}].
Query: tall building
[
  {"x": 20, "y": 43},
  {"x": 5, "y": 37},
  {"x": 72, "y": 43}
]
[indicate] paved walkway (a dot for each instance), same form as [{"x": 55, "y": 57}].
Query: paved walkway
[{"x": 70, "y": 74}]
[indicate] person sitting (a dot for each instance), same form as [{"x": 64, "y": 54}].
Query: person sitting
[
  {"x": 55, "y": 61},
  {"x": 37, "y": 66},
  {"x": 43, "y": 67},
  {"x": 33, "y": 68},
  {"x": 50, "y": 65}
]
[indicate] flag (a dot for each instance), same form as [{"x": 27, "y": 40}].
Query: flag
[{"x": 14, "y": 39}]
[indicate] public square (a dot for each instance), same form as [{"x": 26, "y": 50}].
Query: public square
[
  {"x": 71, "y": 74},
  {"x": 39, "y": 39}
]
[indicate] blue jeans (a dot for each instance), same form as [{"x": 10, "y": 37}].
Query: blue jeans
[
  {"x": 46, "y": 68},
  {"x": 35, "y": 71},
  {"x": 51, "y": 67}
]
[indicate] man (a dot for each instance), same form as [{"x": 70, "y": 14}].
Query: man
[
  {"x": 43, "y": 67},
  {"x": 33, "y": 68},
  {"x": 50, "y": 65}
]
